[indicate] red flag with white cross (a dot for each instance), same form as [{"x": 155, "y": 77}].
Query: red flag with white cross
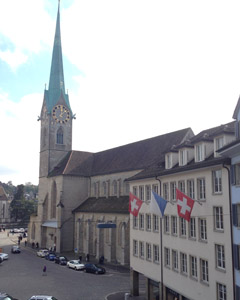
[
  {"x": 184, "y": 205},
  {"x": 134, "y": 204}
]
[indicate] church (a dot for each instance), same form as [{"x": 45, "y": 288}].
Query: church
[{"x": 83, "y": 197}]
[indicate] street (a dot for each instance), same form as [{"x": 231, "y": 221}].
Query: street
[{"x": 21, "y": 277}]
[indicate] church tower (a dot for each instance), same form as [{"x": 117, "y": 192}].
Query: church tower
[{"x": 56, "y": 114}]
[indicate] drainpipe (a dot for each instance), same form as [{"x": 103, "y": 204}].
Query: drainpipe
[
  {"x": 160, "y": 192},
  {"x": 231, "y": 228}
]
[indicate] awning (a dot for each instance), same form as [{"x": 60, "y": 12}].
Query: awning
[
  {"x": 106, "y": 225},
  {"x": 52, "y": 224}
]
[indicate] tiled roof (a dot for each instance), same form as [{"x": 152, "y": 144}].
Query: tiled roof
[
  {"x": 111, "y": 205},
  {"x": 134, "y": 156}
]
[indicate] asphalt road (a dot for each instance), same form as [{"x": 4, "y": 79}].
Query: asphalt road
[{"x": 21, "y": 277}]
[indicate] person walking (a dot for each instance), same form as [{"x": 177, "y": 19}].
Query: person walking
[{"x": 44, "y": 271}]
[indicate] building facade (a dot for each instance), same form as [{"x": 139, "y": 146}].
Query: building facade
[{"x": 180, "y": 259}]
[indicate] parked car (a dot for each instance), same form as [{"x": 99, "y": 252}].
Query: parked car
[
  {"x": 42, "y": 252},
  {"x": 61, "y": 260},
  {"x": 75, "y": 264},
  {"x": 4, "y": 296},
  {"x": 16, "y": 249},
  {"x": 92, "y": 268},
  {"x": 4, "y": 256},
  {"x": 50, "y": 256},
  {"x": 42, "y": 297}
]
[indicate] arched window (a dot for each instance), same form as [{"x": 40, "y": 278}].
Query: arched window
[
  {"x": 53, "y": 199},
  {"x": 60, "y": 136},
  {"x": 104, "y": 188},
  {"x": 114, "y": 185},
  {"x": 33, "y": 231}
]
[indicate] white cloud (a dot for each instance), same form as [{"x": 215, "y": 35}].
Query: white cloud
[{"x": 20, "y": 134}]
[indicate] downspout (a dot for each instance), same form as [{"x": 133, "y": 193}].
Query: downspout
[
  {"x": 160, "y": 192},
  {"x": 231, "y": 228}
]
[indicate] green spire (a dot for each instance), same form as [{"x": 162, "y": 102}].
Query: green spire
[{"x": 56, "y": 81}]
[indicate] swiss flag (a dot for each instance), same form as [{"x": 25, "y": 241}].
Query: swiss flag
[
  {"x": 134, "y": 204},
  {"x": 184, "y": 205}
]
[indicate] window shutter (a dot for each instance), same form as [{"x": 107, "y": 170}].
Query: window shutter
[
  {"x": 234, "y": 215},
  {"x": 236, "y": 256},
  {"x": 232, "y": 175}
]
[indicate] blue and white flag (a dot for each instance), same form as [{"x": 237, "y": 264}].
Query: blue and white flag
[{"x": 157, "y": 204}]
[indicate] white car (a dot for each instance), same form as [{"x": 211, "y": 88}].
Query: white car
[
  {"x": 75, "y": 264},
  {"x": 4, "y": 256},
  {"x": 42, "y": 297},
  {"x": 42, "y": 252}
]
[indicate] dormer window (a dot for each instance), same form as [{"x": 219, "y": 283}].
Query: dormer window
[
  {"x": 219, "y": 143},
  {"x": 199, "y": 152},
  {"x": 168, "y": 161},
  {"x": 183, "y": 157}
]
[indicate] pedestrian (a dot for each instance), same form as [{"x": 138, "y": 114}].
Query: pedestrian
[
  {"x": 33, "y": 245},
  {"x": 37, "y": 245},
  {"x": 87, "y": 258},
  {"x": 25, "y": 243},
  {"x": 44, "y": 271},
  {"x": 80, "y": 258}
]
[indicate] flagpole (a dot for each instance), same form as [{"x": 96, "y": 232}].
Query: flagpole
[{"x": 161, "y": 253}]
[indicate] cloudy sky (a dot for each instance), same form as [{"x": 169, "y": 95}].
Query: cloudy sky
[{"x": 134, "y": 69}]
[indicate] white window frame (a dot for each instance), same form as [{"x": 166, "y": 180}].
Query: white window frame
[
  {"x": 148, "y": 222},
  {"x": 135, "y": 248},
  {"x": 191, "y": 188},
  {"x": 183, "y": 227},
  {"x": 148, "y": 192},
  {"x": 193, "y": 267},
  {"x": 135, "y": 222},
  {"x": 217, "y": 181},
  {"x": 167, "y": 257},
  {"x": 141, "y": 192},
  {"x": 199, "y": 152},
  {"x": 174, "y": 225},
  {"x": 155, "y": 188},
  {"x": 202, "y": 229},
  {"x": 166, "y": 224},
  {"x": 220, "y": 257},
  {"x": 166, "y": 191},
  {"x": 149, "y": 251},
  {"x": 192, "y": 228},
  {"x": 183, "y": 263},
  {"x": 221, "y": 291},
  {"x": 141, "y": 249},
  {"x": 135, "y": 191},
  {"x": 181, "y": 186},
  {"x": 204, "y": 274},
  {"x": 156, "y": 253},
  {"x": 155, "y": 223},
  {"x": 173, "y": 190},
  {"x": 218, "y": 218},
  {"x": 174, "y": 260},
  {"x": 183, "y": 156},
  {"x": 201, "y": 183},
  {"x": 141, "y": 221}
]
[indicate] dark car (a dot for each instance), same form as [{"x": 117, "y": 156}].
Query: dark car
[
  {"x": 4, "y": 296},
  {"x": 61, "y": 260},
  {"x": 92, "y": 268},
  {"x": 50, "y": 256},
  {"x": 16, "y": 249}
]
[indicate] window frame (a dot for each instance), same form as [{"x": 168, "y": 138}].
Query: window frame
[
  {"x": 217, "y": 182},
  {"x": 204, "y": 271},
  {"x": 174, "y": 226},
  {"x": 175, "y": 260},
  {"x": 201, "y": 184},
  {"x": 167, "y": 259},
  {"x": 183, "y": 263},
  {"x": 192, "y": 229},
  {"x": 193, "y": 267},
  {"x": 221, "y": 294},
  {"x": 220, "y": 257},
  {"x": 218, "y": 218},
  {"x": 203, "y": 229}
]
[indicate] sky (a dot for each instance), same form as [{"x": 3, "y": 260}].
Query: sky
[{"x": 134, "y": 69}]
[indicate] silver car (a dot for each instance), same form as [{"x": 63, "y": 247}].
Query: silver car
[{"x": 42, "y": 297}]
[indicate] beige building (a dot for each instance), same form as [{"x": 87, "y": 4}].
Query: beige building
[{"x": 180, "y": 259}]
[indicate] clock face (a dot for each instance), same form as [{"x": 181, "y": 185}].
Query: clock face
[{"x": 61, "y": 114}]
